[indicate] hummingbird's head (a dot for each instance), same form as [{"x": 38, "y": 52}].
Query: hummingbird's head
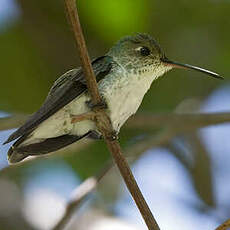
[{"x": 141, "y": 53}]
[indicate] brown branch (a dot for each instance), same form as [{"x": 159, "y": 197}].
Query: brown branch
[
  {"x": 84, "y": 56},
  {"x": 103, "y": 122},
  {"x": 151, "y": 142},
  {"x": 79, "y": 194},
  {"x": 224, "y": 226},
  {"x": 190, "y": 121}
]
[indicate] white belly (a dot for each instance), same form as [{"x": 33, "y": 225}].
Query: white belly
[{"x": 124, "y": 102}]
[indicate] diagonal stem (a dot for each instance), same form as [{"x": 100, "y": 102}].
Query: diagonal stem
[
  {"x": 84, "y": 56},
  {"x": 132, "y": 185},
  {"x": 103, "y": 121},
  {"x": 79, "y": 194},
  {"x": 224, "y": 226}
]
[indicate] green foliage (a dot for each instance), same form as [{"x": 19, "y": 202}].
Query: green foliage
[{"x": 115, "y": 18}]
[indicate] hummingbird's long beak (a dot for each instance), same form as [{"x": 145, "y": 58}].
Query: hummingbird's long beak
[{"x": 187, "y": 66}]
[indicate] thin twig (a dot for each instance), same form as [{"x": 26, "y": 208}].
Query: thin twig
[
  {"x": 151, "y": 142},
  {"x": 84, "y": 56},
  {"x": 224, "y": 226},
  {"x": 103, "y": 122},
  {"x": 191, "y": 121},
  {"x": 79, "y": 194}
]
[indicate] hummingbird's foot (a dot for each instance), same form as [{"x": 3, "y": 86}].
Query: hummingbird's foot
[
  {"x": 101, "y": 105},
  {"x": 82, "y": 117}
]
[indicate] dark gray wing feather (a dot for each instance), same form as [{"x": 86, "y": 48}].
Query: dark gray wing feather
[{"x": 65, "y": 89}]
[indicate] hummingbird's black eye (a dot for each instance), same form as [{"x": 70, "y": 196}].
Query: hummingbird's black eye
[{"x": 145, "y": 51}]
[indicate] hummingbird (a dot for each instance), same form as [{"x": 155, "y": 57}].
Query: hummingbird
[{"x": 124, "y": 75}]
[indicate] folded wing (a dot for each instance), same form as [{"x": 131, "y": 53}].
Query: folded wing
[{"x": 65, "y": 89}]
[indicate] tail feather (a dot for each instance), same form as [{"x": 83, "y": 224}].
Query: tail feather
[{"x": 17, "y": 153}]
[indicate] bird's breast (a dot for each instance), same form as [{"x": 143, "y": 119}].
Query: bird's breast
[{"x": 124, "y": 95}]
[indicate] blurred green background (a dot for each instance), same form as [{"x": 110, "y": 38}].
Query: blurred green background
[{"x": 37, "y": 46}]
